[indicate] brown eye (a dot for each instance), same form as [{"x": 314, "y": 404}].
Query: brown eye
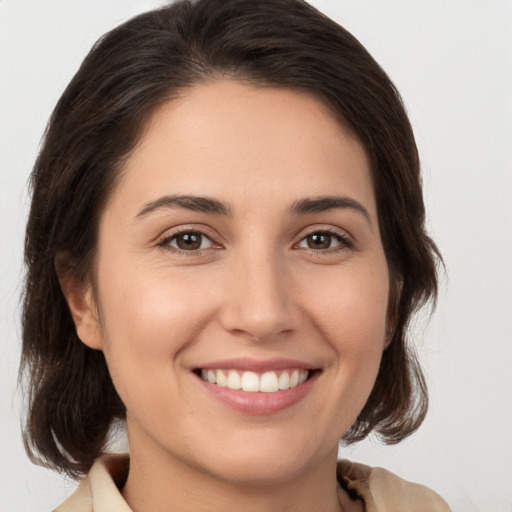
[
  {"x": 189, "y": 241},
  {"x": 323, "y": 240},
  {"x": 319, "y": 241}
]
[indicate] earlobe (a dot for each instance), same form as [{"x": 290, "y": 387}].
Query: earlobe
[{"x": 82, "y": 305}]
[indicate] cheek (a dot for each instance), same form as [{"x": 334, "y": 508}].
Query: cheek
[
  {"x": 149, "y": 306},
  {"x": 352, "y": 315},
  {"x": 148, "y": 320},
  {"x": 351, "y": 307}
]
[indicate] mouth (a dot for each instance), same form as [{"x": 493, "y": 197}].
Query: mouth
[
  {"x": 258, "y": 387},
  {"x": 255, "y": 382}
]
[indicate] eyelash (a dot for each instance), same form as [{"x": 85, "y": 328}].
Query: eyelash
[
  {"x": 344, "y": 242},
  {"x": 167, "y": 240}
]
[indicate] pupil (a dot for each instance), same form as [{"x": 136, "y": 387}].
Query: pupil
[
  {"x": 189, "y": 241},
  {"x": 319, "y": 241}
]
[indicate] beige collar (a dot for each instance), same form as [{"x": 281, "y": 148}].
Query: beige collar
[{"x": 381, "y": 490}]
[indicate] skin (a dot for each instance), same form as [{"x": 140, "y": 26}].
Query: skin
[{"x": 256, "y": 289}]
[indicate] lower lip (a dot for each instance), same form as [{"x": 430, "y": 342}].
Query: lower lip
[{"x": 258, "y": 403}]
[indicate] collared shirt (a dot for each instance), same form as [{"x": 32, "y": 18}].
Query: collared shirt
[{"x": 380, "y": 490}]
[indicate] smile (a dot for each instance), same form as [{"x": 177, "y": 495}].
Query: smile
[{"x": 253, "y": 382}]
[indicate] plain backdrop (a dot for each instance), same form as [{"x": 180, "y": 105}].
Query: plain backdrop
[{"x": 452, "y": 62}]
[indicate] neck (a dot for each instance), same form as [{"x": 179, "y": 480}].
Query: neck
[{"x": 160, "y": 482}]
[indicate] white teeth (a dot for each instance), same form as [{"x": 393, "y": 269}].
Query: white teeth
[
  {"x": 284, "y": 380},
  {"x": 252, "y": 382},
  {"x": 234, "y": 380},
  {"x": 269, "y": 382},
  {"x": 222, "y": 380}
]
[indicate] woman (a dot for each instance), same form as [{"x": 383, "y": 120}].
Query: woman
[{"x": 225, "y": 246}]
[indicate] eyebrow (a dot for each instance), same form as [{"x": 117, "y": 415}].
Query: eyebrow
[
  {"x": 214, "y": 206},
  {"x": 194, "y": 203},
  {"x": 326, "y": 203}
]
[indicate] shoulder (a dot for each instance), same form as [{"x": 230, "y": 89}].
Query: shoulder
[
  {"x": 383, "y": 491},
  {"x": 99, "y": 492}
]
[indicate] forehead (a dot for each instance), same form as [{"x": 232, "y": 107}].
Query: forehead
[{"x": 226, "y": 138}]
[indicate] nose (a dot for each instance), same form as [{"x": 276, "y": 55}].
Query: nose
[{"x": 258, "y": 301}]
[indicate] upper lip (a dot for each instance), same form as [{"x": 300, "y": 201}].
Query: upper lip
[{"x": 257, "y": 366}]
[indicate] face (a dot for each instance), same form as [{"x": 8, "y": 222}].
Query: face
[{"x": 241, "y": 249}]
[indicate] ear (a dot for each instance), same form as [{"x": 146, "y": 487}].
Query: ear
[{"x": 82, "y": 305}]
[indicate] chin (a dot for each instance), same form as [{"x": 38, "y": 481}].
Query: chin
[
  {"x": 267, "y": 463},
  {"x": 259, "y": 471}
]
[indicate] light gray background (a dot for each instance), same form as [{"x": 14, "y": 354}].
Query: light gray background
[{"x": 452, "y": 62}]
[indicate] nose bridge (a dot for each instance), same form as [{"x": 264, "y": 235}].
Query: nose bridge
[{"x": 258, "y": 302}]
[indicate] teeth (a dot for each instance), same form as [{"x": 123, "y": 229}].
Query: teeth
[
  {"x": 222, "y": 380},
  {"x": 284, "y": 380},
  {"x": 234, "y": 380},
  {"x": 268, "y": 382},
  {"x": 250, "y": 382}
]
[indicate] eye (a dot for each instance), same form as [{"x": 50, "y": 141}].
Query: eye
[
  {"x": 187, "y": 241},
  {"x": 324, "y": 240}
]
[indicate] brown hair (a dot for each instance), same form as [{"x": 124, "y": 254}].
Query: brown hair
[{"x": 97, "y": 121}]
